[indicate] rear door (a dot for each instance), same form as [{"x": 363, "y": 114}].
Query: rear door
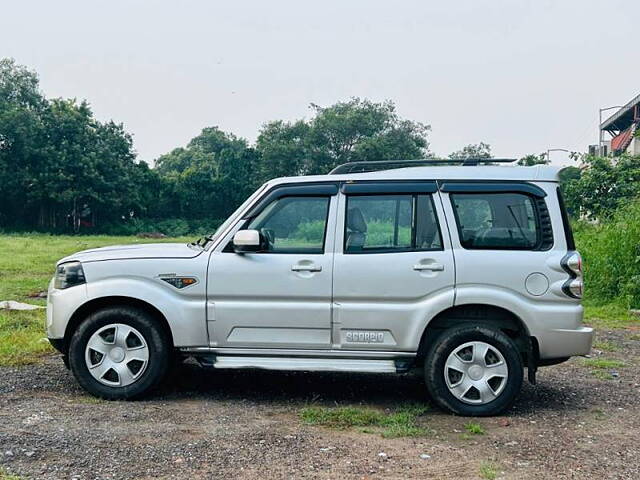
[{"x": 393, "y": 268}]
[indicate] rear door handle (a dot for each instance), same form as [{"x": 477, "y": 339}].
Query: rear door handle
[
  {"x": 433, "y": 267},
  {"x": 306, "y": 268}
]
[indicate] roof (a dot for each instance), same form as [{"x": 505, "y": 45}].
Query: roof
[
  {"x": 538, "y": 173},
  {"x": 620, "y": 142},
  {"x": 623, "y": 118}
]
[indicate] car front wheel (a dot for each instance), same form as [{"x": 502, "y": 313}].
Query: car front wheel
[
  {"x": 473, "y": 371},
  {"x": 119, "y": 353}
]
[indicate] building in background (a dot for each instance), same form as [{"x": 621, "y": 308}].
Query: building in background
[{"x": 623, "y": 128}]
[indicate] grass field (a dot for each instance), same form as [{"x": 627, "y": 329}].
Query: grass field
[
  {"x": 27, "y": 263},
  {"x": 400, "y": 423}
]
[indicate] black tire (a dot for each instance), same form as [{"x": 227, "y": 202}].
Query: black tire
[
  {"x": 450, "y": 340},
  {"x": 159, "y": 347}
]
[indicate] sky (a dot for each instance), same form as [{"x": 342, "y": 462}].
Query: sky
[{"x": 523, "y": 76}]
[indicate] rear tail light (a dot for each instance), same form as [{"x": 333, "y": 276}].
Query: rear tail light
[
  {"x": 572, "y": 264},
  {"x": 575, "y": 287}
]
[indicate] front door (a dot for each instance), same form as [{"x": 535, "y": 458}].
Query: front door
[
  {"x": 281, "y": 297},
  {"x": 393, "y": 269}
]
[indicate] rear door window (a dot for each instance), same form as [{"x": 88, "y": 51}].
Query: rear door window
[
  {"x": 391, "y": 223},
  {"x": 503, "y": 221}
]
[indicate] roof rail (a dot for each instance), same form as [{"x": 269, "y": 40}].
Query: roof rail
[{"x": 373, "y": 166}]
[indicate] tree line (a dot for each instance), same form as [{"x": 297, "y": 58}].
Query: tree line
[{"x": 61, "y": 170}]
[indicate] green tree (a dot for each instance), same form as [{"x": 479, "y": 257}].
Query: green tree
[
  {"x": 86, "y": 165},
  {"x": 532, "y": 159},
  {"x": 479, "y": 150},
  {"x": 57, "y": 163},
  {"x": 355, "y": 130},
  {"x": 209, "y": 177},
  {"x": 282, "y": 147},
  {"x": 602, "y": 185},
  {"x": 209, "y": 144},
  {"x": 21, "y": 134}
]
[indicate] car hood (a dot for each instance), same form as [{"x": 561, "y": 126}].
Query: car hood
[{"x": 123, "y": 252}]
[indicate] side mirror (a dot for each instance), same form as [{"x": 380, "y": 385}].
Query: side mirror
[{"x": 247, "y": 241}]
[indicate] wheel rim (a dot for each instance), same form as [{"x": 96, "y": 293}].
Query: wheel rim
[
  {"x": 117, "y": 355},
  {"x": 476, "y": 373}
]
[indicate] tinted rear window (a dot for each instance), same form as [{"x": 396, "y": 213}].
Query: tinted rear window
[
  {"x": 568, "y": 233},
  {"x": 502, "y": 221}
]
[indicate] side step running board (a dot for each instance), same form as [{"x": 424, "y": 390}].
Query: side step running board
[{"x": 309, "y": 364}]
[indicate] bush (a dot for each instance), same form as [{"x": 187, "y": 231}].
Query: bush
[
  {"x": 380, "y": 233},
  {"x": 171, "y": 227},
  {"x": 310, "y": 231},
  {"x": 611, "y": 253}
]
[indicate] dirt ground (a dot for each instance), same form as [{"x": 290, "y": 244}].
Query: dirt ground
[{"x": 246, "y": 424}]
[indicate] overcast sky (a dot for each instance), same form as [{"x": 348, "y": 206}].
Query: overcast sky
[{"x": 523, "y": 76}]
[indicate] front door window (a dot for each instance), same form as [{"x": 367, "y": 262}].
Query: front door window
[{"x": 294, "y": 224}]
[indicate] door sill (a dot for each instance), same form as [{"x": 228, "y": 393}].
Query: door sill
[
  {"x": 307, "y": 364},
  {"x": 287, "y": 352}
]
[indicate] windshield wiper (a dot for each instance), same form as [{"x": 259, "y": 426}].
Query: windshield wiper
[
  {"x": 201, "y": 242},
  {"x": 207, "y": 239}
]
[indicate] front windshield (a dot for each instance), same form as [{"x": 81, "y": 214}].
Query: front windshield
[{"x": 232, "y": 218}]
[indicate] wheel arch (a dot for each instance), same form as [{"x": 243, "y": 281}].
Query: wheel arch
[
  {"x": 483, "y": 314},
  {"x": 95, "y": 304}
]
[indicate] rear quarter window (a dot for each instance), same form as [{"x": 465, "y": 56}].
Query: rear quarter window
[
  {"x": 568, "y": 233},
  {"x": 500, "y": 221}
]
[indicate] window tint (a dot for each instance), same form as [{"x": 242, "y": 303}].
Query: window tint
[
  {"x": 387, "y": 223},
  {"x": 293, "y": 224},
  {"x": 497, "y": 220},
  {"x": 568, "y": 233},
  {"x": 427, "y": 236}
]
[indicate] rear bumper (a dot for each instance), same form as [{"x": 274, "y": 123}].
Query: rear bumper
[{"x": 560, "y": 342}]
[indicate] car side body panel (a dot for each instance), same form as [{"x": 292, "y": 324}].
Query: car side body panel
[
  {"x": 184, "y": 309},
  {"x": 543, "y": 320}
]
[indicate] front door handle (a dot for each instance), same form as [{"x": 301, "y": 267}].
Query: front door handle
[
  {"x": 306, "y": 268},
  {"x": 433, "y": 267}
]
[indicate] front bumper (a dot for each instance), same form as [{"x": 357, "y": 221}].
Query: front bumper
[
  {"x": 61, "y": 304},
  {"x": 58, "y": 344}
]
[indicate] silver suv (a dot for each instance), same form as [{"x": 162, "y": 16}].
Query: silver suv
[{"x": 468, "y": 272}]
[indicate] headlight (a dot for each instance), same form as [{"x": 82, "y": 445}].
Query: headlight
[{"x": 68, "y": 275}]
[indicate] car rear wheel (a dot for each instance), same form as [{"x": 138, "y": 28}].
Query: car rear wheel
[
  {"x": 119, "y": 353},
  {"x": 473, "y": 371}
]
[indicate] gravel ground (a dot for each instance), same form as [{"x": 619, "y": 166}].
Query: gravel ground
[{"x": 230, "y": 424}]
